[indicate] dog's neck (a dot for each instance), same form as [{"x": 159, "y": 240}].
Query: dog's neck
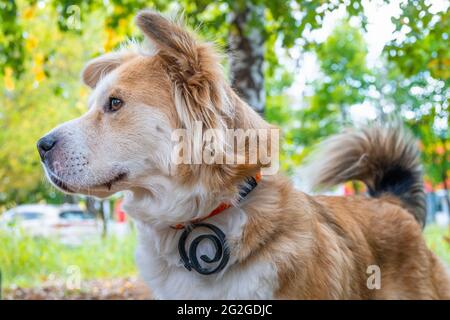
[
  {"x": 161, "y": 266},
  {"x": 157, "y": 209},
  {"x": 163, "y": 202}
]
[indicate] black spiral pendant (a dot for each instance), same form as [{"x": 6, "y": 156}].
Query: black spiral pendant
[{"x": 222, "y": 255}]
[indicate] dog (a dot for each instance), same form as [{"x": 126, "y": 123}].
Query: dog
[{"x": 263, "y": 238}]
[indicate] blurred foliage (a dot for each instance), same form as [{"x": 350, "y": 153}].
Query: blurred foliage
[
  {"x": 342, "y": 59},
  {"x": 419, "y": 65},
  {"x": 423, "y": 102},
  {"x": 344, "y": 82},
  {"x": 421, "y": 43},
  {"x": 44, "y": 45},
  {"x": 46, "y": 94},
  {"x": 12, "y": 41},
  {"x": 400, "y": 84},
  {"x": 284, "y": 20}
]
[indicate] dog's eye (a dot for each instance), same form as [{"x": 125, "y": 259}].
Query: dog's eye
[{"x": 114, "y": 104}]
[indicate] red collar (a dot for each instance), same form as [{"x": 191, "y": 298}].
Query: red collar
[{"x": 223, "y": 206}]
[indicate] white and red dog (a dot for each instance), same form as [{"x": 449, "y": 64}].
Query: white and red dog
[{"x": 272, "y": 240}]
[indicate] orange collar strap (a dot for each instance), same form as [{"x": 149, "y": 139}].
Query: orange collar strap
[{"x": 250, "y": 184}]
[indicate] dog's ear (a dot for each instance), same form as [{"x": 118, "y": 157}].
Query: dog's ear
[
  {"x": 101, "y": 66},
  {"x": 170, "y": 38},
  {"x": 195, "y": 70}
]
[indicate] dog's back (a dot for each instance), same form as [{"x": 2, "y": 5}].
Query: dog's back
[{"x": 386, "y": 228}]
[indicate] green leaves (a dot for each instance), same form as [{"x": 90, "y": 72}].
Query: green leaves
[
  {"x": 12, "y": 53},
  {"x": 420, "y": 62},
  {"x": 342, "y": 61},
  {"x": 43, "y": 46},
  {"x": 423, "y": 43}
]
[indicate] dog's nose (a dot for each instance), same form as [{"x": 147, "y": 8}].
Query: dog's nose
[{"x": 45, "y": 144}]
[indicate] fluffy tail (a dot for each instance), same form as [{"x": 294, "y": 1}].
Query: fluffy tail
[{"x": 385, "y": 158}]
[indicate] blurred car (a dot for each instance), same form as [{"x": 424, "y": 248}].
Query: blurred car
[
  {"x": 66, "y": 221},
  {"x": 438, "y": 210}
]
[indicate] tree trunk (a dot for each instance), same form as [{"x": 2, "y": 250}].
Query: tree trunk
[
  {"x": 70, "y": 198},
  {"x": 344, "y": 114},
  {"x": 90, "y": 205},
  {"x": 105, "y": 215},
  {"x": 246, "y": 45},
  {"x": 96, "y": 207}
]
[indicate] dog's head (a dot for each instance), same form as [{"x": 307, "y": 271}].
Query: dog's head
[{"x": 138, "y": 99}]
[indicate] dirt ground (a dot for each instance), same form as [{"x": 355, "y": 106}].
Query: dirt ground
[{"x": 114, "y": 289}]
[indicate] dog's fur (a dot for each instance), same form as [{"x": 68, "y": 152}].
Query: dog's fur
[{"x": 283, "y": 243}]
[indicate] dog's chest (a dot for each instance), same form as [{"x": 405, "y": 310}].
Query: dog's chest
[{"x": 161, "y": 267}]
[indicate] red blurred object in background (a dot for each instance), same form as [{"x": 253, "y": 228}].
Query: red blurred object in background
[{"x": 120, "y": 214}]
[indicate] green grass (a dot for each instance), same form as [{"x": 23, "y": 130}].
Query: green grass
[
  {"x": 438, "y": 240},
  {"x": 27, "y": 261}
]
